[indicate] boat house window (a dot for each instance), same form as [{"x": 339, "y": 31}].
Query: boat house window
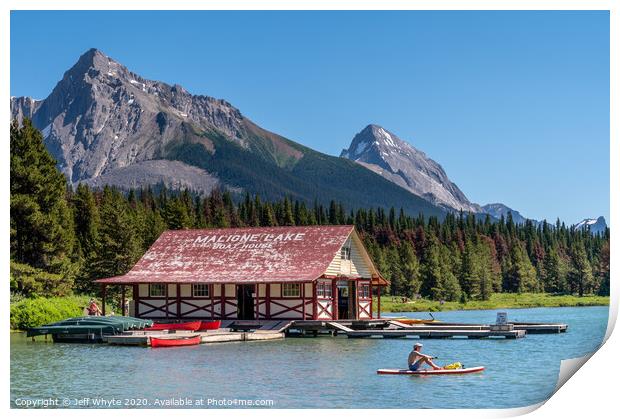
[
  {"x": 328, "y": 290},
  {"x": 200, "y": 290},
  {"x": 345, "y": 253},
  {"x": 324, "y": 290},
  {"x": 291, "y": 290},
  {"x": 157, "y": 290},
  {"x": 364, "y": 291}
]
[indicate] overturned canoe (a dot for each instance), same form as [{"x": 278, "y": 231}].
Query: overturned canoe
[
  {"x": 193, "y": 326},
  {"x": 432, "y": 372},
  {"x": 88, "y": 328},
  {"x": 176, "y": 341},
  {"x": 210, "y": 325}
]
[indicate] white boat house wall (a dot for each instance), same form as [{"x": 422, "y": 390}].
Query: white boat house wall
[{"x": 301, "y": 273}]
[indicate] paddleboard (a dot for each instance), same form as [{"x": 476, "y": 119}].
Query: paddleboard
[{"x": 431, "y": 372}]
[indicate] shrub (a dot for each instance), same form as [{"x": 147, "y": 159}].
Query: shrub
[{"x": 33, "y": 312}]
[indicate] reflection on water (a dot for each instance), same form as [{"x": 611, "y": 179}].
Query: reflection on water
[{"x": 316, "y": 372}]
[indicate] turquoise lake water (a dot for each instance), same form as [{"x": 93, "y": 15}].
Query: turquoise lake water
[{"x": 322, "y": 372}]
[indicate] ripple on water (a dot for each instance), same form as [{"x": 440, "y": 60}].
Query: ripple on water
[{"x": 340, "y": 372}]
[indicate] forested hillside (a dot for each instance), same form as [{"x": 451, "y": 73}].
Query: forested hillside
[{"x": 63, "y": 239}]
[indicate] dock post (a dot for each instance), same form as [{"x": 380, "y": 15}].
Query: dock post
[
  {"x": 103, "y": 292},
  {"x": 123, "y": 310}
]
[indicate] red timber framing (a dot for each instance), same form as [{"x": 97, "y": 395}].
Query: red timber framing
[
  {"x": 288, "y": 308},
  {"x": 266, "y": 306},
  {"x": 308, "y": 256}
]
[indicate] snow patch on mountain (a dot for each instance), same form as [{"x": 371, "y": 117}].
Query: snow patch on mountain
[
  {"x": 396, "y": 160},
  {"x": 595, "y": 225}
]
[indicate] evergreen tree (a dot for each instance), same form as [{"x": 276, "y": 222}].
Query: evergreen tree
[
  {"x": 603, "y": 271},
  {"x": 287, "y": 213},
  {"x": 470, "y": 271},
  {"x": 521, "y": 275},
  {"x": 42, "y": 231},
  {"x": 554, "y": 279},
  {"x": 176, "y": 214},
  {"x": 580, "y": 276},
  {"x": 410, "y": 269},
  {"x": 118, "y": 243},
  {"x": 86, "y": 222}
]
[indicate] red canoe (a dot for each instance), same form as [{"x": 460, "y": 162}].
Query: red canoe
[
  {"x": 193, "y": 326},
  {"x": 177, "y": 341},
  {"x": 210, "y": 325},
  {"x": 432, "y": 372}
]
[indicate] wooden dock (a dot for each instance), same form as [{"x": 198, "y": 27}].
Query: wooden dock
[
  {"x": 529, "y": 328},
  {"x": 540, "y": 328},
  {"x": 141, "y": 338},
  {"x": 442, "y": 333},
  {"x": 255, "y": 330}
]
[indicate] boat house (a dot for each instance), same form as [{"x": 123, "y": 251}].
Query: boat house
[{"x": 254, "y": 273}]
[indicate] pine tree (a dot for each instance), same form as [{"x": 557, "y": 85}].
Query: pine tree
[
  {"x": 470, "y": 271},
  {"x": 176, "y": 215},
  {"x": 118, "y": 243},
  {"x": 86, "y": 222},
  {"x": 603, "y": 272},
  {"x": 580, "y": 276},
  {"x": 154, "y": 226},
  {"x": 42, "y": 231},
  {"x": 268, "y": 218},
  {"x": 287, "y": 213},
  {"x": 410, "y": 269},
  {"x": 554, "y": 279},
  {"x": 520, "y": 276}
]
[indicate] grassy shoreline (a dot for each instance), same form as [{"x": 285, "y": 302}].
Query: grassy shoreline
[{"x": 527, "y": 300}]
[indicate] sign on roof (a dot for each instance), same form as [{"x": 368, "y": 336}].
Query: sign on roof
[{"x": 270, "y": 254}]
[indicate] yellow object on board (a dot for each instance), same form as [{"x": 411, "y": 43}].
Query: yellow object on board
[{"x": 454, "y": 366}]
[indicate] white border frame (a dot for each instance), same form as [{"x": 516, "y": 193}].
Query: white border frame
[{"x": 591, "y": 393}]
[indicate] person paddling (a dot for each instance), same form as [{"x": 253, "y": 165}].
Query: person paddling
[{"x": 416, "y": 359}]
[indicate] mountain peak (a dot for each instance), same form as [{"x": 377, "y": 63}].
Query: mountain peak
[
  {"x": 101, "y": 117},
  {"x": 93, "y": 58},
  {"x": 398, "y": 161},
  {"x": 595, "y": 225},
  {"x": 105, "y": 124},
  {"x": 374, "y": 143},
  {"x": 498, "y": 210}
]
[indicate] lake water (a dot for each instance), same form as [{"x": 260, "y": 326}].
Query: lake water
[{"x": 310, "y": 372}]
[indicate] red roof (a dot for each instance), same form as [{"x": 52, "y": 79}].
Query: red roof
[{"x": 269, "y": 254}]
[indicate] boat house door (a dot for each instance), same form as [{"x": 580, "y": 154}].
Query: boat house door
[
  {"x": 245, "y": 302},
  {"x": 346, "y": 300}
]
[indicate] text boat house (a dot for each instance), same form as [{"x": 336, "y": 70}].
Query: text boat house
[{"x": 310, "y": 273}]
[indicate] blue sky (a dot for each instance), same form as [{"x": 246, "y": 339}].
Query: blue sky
[{"x": 513, "y": 105}]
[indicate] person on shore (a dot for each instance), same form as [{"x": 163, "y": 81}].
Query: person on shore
[
  {"x": 416, "y": 359},
  {"x": 93, "y": 308}
]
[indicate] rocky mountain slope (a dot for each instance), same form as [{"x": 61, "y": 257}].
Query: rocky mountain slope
[
  {"x": 386, "y": 154},
  {"x": 500, "y": 210},
  {"x": 106, "y": 124},
  {"x": 595, "y": 225}
]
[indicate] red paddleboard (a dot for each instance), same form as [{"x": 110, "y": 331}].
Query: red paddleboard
[{"x": 432, "y": 372}]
